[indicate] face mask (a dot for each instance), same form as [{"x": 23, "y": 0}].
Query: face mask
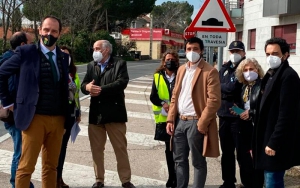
[
  {"x": 250, "y": 76},
  {"x": 48, "y": 40},
  {"x": 171, "y": 65},
  {"x": 69, "y": 60},
  {"x": 273, "y": 62},
  {"x": 193, "y": 56},
  {"x": 235, "y": 57},
  {"x": 97, "y": 56}
]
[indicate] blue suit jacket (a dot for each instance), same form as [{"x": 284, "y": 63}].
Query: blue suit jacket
[{"x": 25, "y": 63}]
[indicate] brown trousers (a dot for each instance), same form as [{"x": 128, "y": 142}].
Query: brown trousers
[
  {"x": 116, "y": 133},
  {"x": 44, "y": 132}
]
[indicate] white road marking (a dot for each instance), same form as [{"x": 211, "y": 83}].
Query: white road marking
[
  {"x": 141, "y": 82},
  {"x": 137, "y": 92},
  {"x": 80, "y": 175},
  {"x": 129, "y": 113},
  {"x": 138, "y": 86},
  {"x": 144, "y": 78},
  {"x": 132, "y": 138},
  {"x": 4, "y": 137}
]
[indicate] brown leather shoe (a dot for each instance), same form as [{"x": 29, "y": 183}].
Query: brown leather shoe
[
  {"x": 98, "y": 185},
  {"x": 128, "y": 185},
  {"x": 61, "y": 184}
]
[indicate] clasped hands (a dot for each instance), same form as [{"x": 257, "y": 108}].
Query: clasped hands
[{"x": 93, "y": 89}]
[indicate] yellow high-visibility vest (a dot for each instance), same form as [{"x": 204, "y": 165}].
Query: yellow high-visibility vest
[{"x": 163, "y": 94}]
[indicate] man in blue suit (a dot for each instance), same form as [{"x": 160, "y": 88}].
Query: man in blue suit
[{"x": 40, "y": 102}]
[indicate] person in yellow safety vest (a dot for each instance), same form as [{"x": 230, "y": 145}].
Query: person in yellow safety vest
[{"x": 163, "y": 84}]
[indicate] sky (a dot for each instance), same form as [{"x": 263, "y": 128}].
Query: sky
[{"x": 197, "y": 4}]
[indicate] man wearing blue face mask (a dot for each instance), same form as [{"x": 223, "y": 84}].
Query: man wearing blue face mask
[
  {"x": 229, "y": 123},
  {"x": 105, "y": 81},
  {"x": 276, "y": 126}
]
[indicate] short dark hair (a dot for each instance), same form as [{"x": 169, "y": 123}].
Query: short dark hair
[
  {"x": 52, "y": 17},
  {"x": 17, "y": 39},
  {"x": 194, "y": 40},
  {"x": 284, "y": 46}
]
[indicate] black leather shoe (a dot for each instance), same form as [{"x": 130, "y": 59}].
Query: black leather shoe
[
  {"x": 128, "y": 185},
  {"x": 227, "y": 186},
  {"x": 98, "y": 185}
]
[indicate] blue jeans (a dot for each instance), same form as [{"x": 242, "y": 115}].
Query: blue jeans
[
  {"x": 274, "y": 179},
  {"x": 16, "y": 136}
]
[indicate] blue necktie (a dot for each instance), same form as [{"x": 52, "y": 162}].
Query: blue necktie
[{"x": 53, "y": 68}]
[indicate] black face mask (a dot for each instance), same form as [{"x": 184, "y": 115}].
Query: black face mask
[
  {"x": 171, "y": 65},
  {"x": 48, "y": 40}
]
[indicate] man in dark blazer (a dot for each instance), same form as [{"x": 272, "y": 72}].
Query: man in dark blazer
[
  {"x": 276, "y": 131},
  {"x": 40, "y": 103},
  {"x": 105, "y": 81}
]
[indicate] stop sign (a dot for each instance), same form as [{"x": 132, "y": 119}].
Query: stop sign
[{"x": 187, "y": 33}]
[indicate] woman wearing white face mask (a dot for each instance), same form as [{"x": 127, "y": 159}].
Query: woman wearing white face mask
[{"x": 249, "y": 72}]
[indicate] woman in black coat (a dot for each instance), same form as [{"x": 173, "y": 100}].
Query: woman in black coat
[{"x": 249, "y": 72}]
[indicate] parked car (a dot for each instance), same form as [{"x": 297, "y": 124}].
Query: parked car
[{"x": 181, "y": 53}]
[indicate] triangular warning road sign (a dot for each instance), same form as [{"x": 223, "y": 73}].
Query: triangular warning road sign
[{"x": 212, "y": 16}]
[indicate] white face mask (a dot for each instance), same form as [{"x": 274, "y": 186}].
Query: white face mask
[
  {"x": 97, "y": 56},
  {"x": 69, "y": 60},
  {"x": 235, "y": 57},
  {"x": 250, "y": 76},
  {"x": 273, "y": 62},
  {"x": 193, "y": 56}
]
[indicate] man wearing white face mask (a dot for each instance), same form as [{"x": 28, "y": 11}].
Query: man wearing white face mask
[
  {"x": 105, "y": 81},
  {"x": 192, "y": 115},
  {"x": 276, "y": 126},
  {"x": 229, "y": 123}
]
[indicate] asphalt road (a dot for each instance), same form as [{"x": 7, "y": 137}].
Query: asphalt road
[{"x": 135, "y": 68}]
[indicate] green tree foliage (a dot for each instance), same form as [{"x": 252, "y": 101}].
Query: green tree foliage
[
  {"x": 16, "y": 21},
  {"x": 83, "y": 43},
  {"x": 173, "y": 15},
  {"x": 120, "y": 11}
]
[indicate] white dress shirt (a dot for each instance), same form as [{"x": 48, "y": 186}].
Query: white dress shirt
[
  {"x": 185, "y": 102},
  {"x": 45, "y": 51}
]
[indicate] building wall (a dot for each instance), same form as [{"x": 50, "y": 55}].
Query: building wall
[{"x": 253, "y": 19}]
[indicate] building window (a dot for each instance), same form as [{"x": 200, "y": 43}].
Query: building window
[
  {"x": 287, "y": 32},
  {"x": 239, "y": 36},
  {"x": 252, "y": 39}
]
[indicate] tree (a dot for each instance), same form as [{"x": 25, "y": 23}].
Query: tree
[
  {"x": 173, "y": 15},
  {"x": 121, "y": 12},
  {"x": 16, "y": 21},
  {"x": 7, "y": 7}
]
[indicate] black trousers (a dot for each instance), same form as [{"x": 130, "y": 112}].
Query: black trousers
[
  {"x": 171, "y": 165},
  {"x": 236, "y": 135},
  {"x": 63, "y": 149}
]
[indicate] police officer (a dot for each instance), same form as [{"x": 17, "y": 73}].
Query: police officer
[{"x": 229, "y": 123}]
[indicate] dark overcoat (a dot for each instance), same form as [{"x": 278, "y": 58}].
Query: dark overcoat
[{"x": 277, "y": 120}]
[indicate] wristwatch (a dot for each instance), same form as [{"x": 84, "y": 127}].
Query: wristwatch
[{"x": 163, "y": 102}]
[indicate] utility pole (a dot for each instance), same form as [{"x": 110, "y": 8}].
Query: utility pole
[
  {"x": 106, "y": 20},
  {"x": 220, "y": 52},
  {"x": 151, "y": 37}
]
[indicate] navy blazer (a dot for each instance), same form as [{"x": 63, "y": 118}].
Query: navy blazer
[{"x": 25, "y": 63}]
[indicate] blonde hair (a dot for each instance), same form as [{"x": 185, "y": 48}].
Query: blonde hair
[{"x": 239, "y": 70}]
